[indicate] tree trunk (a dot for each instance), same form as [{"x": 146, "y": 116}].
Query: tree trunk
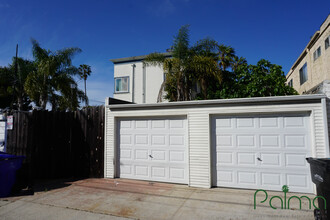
[
  {"x": 20, "y": 103},
  {"x": 86, "y": 102},
  {"x": 204, "y": 88}
]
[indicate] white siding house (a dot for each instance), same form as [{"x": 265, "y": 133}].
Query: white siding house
[
  {"x": 136, "y": 82},
  {"x": 241, "y": 143}
]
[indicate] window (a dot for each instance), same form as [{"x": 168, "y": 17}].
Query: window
[
  {"x": 327, "y": 42},
  {"x": 317, "y": 53},
  {"x": 290, "y": 83},
  {"x": 303, "y": 74},
  {"x": 121, "y": 84}
]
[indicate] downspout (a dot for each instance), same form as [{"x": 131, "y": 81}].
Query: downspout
[
  {"x": 133, "y": 73},
  {"x": 143, "y": 83},
  {"x": 325, "y": 126}
]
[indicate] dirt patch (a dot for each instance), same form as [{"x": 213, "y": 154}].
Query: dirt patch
[{"x": 126, "y": 212}]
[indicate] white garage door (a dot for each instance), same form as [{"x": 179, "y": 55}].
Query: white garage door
[
  {"x": 153, "y": 149},
  {"x": 262, "y": 152}
]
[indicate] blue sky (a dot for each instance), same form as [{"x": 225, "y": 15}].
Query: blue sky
[{"x": 276, "y": 30}]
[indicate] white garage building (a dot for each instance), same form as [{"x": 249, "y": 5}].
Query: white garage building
[{"x": 247, "y": 143}]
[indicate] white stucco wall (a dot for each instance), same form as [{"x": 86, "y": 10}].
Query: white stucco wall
[{"x": 154, "y": 77}]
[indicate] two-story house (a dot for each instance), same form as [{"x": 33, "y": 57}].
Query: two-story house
[
  {"x": 312, "y": 67},
  {"x": 136, "y": 82}
]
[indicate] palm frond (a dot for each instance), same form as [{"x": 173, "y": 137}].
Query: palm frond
[{"x": 154, "y": 59}]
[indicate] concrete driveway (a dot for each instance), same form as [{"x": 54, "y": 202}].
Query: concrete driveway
[{"x": 119, "y": 199}]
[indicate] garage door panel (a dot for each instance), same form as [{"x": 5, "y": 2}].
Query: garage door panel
[
  {"x": 270, "y": 159},
  {"x": 225, "y": 158},
  {"x": 126, "y": 153},
  {"x": 224, "y": 123},
  {"x": 297, "y": 180},
  {"x": 294, "y": 122},
  {"x": 244, "y": 158},
  {"x": 177, "y": 156},
  {"x": 126, "y": 169},
  {"x": 244, "y": 141},
  {"x": 176, "y": 124},
  {"x": 177, "y": 140},
  {"x": 141, "y": 154},
  {"x": 141, "y": 139},
  {"x": 269, "y": 140},
  {"x": 141, "y": 170},
  {"x": 271, "y": 179},
  {"x": 245, "y": 177},
  {"x": 158, "y": 140},
  {"x": 125, "y": 125},
  {"x": 159, "y": 155},
  {"x": 125, "y": 139},
  {"x": 295, "y": 140},
  {"x": 177, "y": 173},
  {"x": 245, "y": 123},
  {"x": 224, "y": 140},
  {"x": 159, "y": 172},
  {"x": 262, "y": 151},
  {"x": 141, "y": 124},
  {"x": 153, "y": 149},
  {"x": 269, "y": 122},
  {"x": 225, "y": 177},
  {"x": 158, "y": 124},
  {"x": 296, "y": 160}
]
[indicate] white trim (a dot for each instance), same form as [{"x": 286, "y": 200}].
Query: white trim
[
  {"x": 259, "y": 100},
  {"x": 105, "y": 139},
  {"x": 188, "y": 148},
  {"x": 313, "y": 141},
  {"x": 128, "y": 85},
  {"x": 210, "y": 149},
  {"x": 325, "y": 125}
]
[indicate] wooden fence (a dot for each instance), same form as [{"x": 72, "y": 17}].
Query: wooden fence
[{"x": 58, "y": 144}]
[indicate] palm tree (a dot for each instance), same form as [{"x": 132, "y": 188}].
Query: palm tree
[
  {"x": 50, "y": 82},
  {"x": 204, "y": 64},
  {"x": 84, "y": 72},
  {"x": 188, "y": 66},
  {"x": 204, "y": 69},
  {"x": 226, "y": 56},
  {"x": 17, "y": 78}
]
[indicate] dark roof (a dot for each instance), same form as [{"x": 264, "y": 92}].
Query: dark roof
[{"x": 136, "y": 58}]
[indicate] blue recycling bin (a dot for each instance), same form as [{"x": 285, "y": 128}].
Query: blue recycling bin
[{"x": 9, "y": 164}]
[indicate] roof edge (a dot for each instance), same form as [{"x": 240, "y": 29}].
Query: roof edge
[
  {"x": 221, "y": 101},
  {"x": 136, "y": 58}
]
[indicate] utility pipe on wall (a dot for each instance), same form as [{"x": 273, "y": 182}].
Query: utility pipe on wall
[
  {"x": 133, "y": 73},
  {"x": 143, "y": 83}
]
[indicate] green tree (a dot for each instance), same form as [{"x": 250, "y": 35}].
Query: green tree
[
  {"x": 217, "y": 70},
  {"x": 226, "y": 57},
  {"x": 84, "y": 72},
  {"x": 177, "y": 82},
  {"x": 187, "y": 67},
  {"x": 6, "y": 94},
  {"x": 52, "y": 80},
  {"x": 12, "y": 84},
  {"x": 263, "y": 79}
]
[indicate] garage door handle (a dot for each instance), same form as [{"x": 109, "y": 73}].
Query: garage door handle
[
  {"x": 150, "y": 156},
  {"x": 259, "y": 158}
]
